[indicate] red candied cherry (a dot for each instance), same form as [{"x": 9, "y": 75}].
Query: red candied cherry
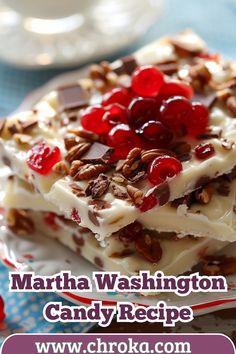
[
  {"x": 131, "y": 232},
  {"x": 141, "y": 110},
  {"x": 156, "y": 132},
  {"x": 175, "y": 112},
  {"x": 75, "y": 216},
  {"x": 204, "y": 151},
  {"x": 163, "y": 167},
  {"x": 149, "y": 202},
  {"x": 2, "y": 313},
  {"x": 41, "y": 158},
  {"x": 92, "y": 120},
  {"x": 147, "y": 81},
  {"x": 116, "y": 114},
  {"x": 50, "y": 219},
  {"x": 176, "y": 88},
  {"x": 123, "y": 139},
  {"x": 198, "y": 122},
  {"x": 117, "y": 95}
]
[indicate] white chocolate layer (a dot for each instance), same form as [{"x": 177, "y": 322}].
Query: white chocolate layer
[
  {"x": 178, "y": 256},
  {"x": 215, "y": 220}
]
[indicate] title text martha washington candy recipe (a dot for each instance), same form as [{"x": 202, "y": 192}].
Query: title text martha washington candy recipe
[{"x": 103, "y": 282}]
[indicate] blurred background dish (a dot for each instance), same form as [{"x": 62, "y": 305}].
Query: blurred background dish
[{"x": 58, "y": 33}]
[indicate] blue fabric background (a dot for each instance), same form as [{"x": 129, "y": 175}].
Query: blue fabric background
[{"x": 214, "y": 20}]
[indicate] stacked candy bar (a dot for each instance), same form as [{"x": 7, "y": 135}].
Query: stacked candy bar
[{"x": 133, "y": 167}]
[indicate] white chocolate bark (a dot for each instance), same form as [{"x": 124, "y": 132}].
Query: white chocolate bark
[
  {"x": 57, "y": 191},
  {"x": 178, "y": 256},
  {"x": 215, "y": 220}
]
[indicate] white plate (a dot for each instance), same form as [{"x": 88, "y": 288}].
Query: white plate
[
  {"x": 46, "y": 257},
  {"x": 108, "y": 27}
]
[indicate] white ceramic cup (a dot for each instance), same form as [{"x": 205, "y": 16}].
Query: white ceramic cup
[{"x": 48, "y": 9}]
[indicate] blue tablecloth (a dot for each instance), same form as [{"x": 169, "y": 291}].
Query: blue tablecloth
[{"x": 215, "y": 21}]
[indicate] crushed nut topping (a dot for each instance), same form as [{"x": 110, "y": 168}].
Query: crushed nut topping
[
  {"x": 19, "y": 222},
  {"x": 77, "y": 151},
  {"x": 61, "y": 168},
  {"x": 88, "y": 171},
  {"x": 219, "y": 265},
  {"x": 204, "y": 195},
  {"x": 135, "y": 194},
  {"x": 77, "y": 190},
  {"x": 149, "y": 247},
  {"x": 98, "y": 187}
]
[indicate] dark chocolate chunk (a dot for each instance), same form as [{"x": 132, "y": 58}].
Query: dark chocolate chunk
[
  {"x": 202, "y": 181},
  {"x": 125, "y": 65},
  {"x": 162, "y": 192},
  {"x": 206, "y": 99},
  {"x": 98, "y": 153},
  {"x": 73, "y": 96}
]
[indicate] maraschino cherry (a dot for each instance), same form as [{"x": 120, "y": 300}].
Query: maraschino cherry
[
  {"x": 163, "y": 167},
  {"x": 41, "y": 158},
  {"x": 147, "y": 81}
]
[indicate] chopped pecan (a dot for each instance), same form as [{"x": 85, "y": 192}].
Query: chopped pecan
[
  {"x": 77, "y": 190},
  {"x": 19, "y": 222},
  {"x": 89, "y": 171},
  {"x": 200, "y": 76},
  {"x": 231, "y": 105},
  {"x": 137, "y": 177},
  {"x": 204, "y": 195},
  {"x": 98, "y": 187},
  {"x": 70, "y": 141},
  {"x": 22, "y": 140},
  {"x": 75, "y": 167},
  {"x": 219, "y": 265},
  {"x": 61, "y": 168},
  {"x": 14, "y": 128},
  {"x": 118, "y": 178},
  {"x": 119, "y": 191},
  {"x": 150, "y": 155},
  {"x": 84, "y": 134},
  {"x": 135, "y": 194},
  {"x": 123, "y": 254},
  {"x": 29, "y": 124},
  {"x": 96, "y": 72},
  {"x": 99, "y": 204},
  {"x": 132, "y": 164},
  {"x": 149, "y": 247},
  {"x": 77, "y": 151}
]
